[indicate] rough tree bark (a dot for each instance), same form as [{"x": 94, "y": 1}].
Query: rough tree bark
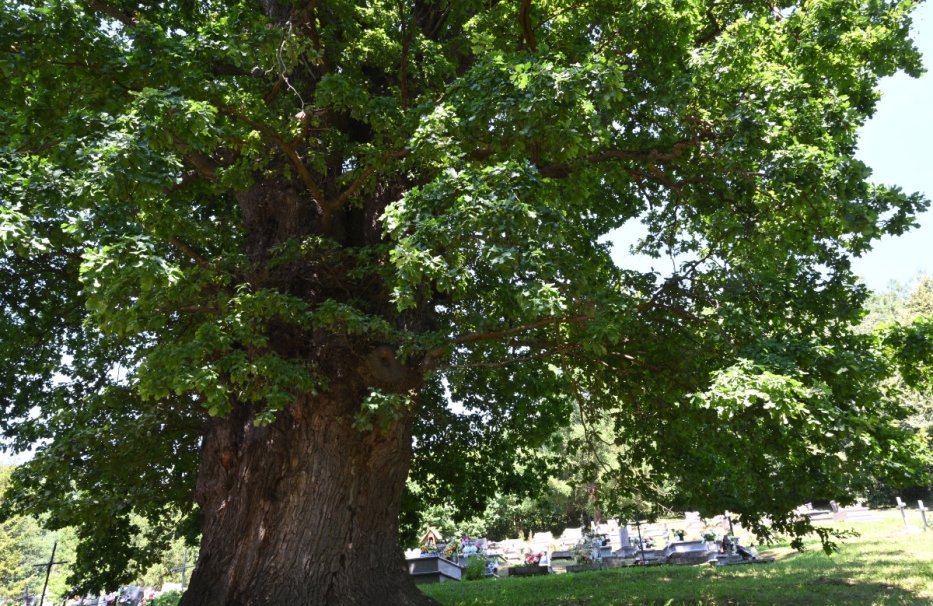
[{"x": 303, "y": 511}]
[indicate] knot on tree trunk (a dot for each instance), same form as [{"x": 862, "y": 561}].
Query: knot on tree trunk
[
  {"x": 273, "y": 213},
  {"x": 382, "y": 369}
]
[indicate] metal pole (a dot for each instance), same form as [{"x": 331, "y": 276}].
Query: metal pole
[
  {"x": 641, "y": 542},
  {"x": 48, "y": 572}
]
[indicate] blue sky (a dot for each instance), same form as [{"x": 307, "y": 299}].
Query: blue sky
[{"x": 896, "y": 144}]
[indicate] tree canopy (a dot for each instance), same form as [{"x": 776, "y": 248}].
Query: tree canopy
[{"x": 239, "y": 229}]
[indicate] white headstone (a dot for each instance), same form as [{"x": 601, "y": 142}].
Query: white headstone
[
  {"x": 624, "y": 537},
  {"x": 571, "y": 536}
]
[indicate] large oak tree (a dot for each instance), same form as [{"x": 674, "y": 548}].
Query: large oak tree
[{"x": 251, "y": 248}]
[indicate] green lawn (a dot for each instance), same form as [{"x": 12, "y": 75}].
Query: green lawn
[{"x": 885, "y": 565}]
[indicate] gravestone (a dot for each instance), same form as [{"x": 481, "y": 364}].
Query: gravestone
[
  {"x": 542, "y": 541},
  {"x": 621, "y": 542},
  {"x": 689, "y": 552},
  {"x": 571, "y": 536},
  {"x": 659, "y": 534},
  {"x": 856, "y": 513},
  {"x": 433, "y": 569},
  {"x": 923, "y": 514},
  {"x": 606, "y": 528},
  {"x": 693, "y": 524},
  {"x": 815, "y": 515},
  {"x": 902, "y": 507},
  {"x": 510, "y": 549}
]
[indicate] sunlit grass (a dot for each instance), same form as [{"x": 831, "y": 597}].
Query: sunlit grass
[{"x": 885, "y": 565}]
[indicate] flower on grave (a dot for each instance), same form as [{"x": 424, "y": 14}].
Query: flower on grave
[
  {"x": 533, "y": 559},
  {"x": 679, "y": 534},
  {"x": 452, "y": 549},
  {"x": 470, "y": 546},
  {"x": 709, "y": 535}
]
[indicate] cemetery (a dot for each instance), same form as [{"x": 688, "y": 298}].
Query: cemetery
[
  {"x": 606, "y": 545},
  {"x": 888, "y": 563}
]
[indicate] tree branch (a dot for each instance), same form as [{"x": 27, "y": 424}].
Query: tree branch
[
  {"x": 505, "y": 362},
  {"x": 335, "y": 204},
  {"x": 408, "y": 31},
  {"x": 316, "y": 192},
  {"x": 352, "y": 189},
  {"x": 189, "y": 250},
  {"x": 431, "y": 358},
  {"x": 589, "y": 432},
  {"x": 203, "y": 165},
  {"x": 524, "y": 15},
  {"x": 562, "y": 170},
  {"x": 515, "y": 330},
  {"x": 269, "y": 135},
  {"x": 113, "y": 12}
]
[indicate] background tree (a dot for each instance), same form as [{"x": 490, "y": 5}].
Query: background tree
[
  {"x": 19, "y": 549},
  {"x": 899, "y": 312},
  {"x": 23, "y": 545},
  {"x": 589, "y": 480},
  {"x": 251, "y": 247},
  {"x": 902, "y": 314}
]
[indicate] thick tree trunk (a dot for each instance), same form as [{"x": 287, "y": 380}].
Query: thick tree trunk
[{"x": 304, "y": 511}]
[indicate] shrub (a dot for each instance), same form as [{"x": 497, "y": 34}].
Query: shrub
[
  {"x": 169, "y": 598},
  {"x": 475, "y": 569}
]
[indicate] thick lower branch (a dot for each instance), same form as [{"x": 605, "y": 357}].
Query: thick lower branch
[{"x": 528, "y": 33}]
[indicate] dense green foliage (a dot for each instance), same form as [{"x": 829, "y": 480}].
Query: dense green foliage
[{"x": 225, "y": 206}]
